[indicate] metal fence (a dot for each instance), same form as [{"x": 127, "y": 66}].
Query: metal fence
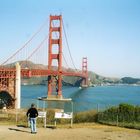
[{"x": 122, "y": 115}]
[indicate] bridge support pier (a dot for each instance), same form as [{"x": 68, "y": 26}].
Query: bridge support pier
[{"x": 18, "y": 87}]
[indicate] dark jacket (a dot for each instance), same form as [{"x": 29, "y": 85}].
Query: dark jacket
[{"x": 32, "y": 113}]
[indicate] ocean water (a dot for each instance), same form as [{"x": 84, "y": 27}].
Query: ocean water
[{"x": 85, "y": 99}]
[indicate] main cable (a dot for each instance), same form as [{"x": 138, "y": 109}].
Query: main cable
[
  {"x": 68, "y": 45},
  {"x": 32, "y": 37}
]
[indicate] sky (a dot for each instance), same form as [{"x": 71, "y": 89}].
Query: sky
[{"x": 107, "y": 32}]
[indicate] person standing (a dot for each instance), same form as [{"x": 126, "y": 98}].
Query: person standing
[{"x": 32, "y": 114}]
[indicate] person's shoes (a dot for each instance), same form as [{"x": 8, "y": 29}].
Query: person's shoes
[{"x": 33, "y": 132}]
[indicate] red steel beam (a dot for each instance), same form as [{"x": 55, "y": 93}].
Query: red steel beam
[{"x": 10, "y": 73}]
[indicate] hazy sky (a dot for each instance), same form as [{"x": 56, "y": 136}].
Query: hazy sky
[{"x": 106, "y": 31}]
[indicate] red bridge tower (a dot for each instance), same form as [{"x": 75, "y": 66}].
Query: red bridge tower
[
  {"x": 85, "y": 72},
  {"x": 55, "y": 41}
]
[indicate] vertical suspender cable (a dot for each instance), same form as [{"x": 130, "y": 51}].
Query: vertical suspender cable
[{"x": 33, "y": 36}]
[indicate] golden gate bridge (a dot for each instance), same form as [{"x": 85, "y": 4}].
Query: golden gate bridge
[{"x": 10, "y": 76}]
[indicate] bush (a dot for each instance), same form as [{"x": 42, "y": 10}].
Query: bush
[
  {"x": 108, "y": 115},
  {"x": 137, "y": 113},
  {"x": 123, "y": 115},
  {"x": 126, "y": 113},
  {"x": 88, "y": 116}
]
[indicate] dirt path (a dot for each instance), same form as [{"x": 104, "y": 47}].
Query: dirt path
[{"x": 78, "y": 132}]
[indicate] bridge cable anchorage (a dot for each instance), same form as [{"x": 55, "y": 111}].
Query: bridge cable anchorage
[
  {"x": 32, "y": 37},
  {"x": 62, "y": 52},
  {"x": 68, "y": 45}
]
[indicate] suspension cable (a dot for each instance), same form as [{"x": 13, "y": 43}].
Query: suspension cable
[
  {"x": 68, "y": 45},
  {"x": 32, "y": 37},
  {"x": 35, "y": 50},
  {"x": 65, "y": 60}
]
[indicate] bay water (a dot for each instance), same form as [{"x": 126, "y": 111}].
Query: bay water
[{"x": 98, "y": 98}]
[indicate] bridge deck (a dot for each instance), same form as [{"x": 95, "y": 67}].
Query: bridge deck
[{"x": 10, "y": 73}]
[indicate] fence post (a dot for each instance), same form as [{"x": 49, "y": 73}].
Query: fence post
[
  {"x": 117, "y": 120},
  {"x": 97, "y": 108},
  {"x": 16, "y": 116},
  {"x": 44, "y": 105},
  {"x": 134, "y": 117}
]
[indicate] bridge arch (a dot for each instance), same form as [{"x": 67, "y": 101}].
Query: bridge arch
[{"x": 6, "y": 99}]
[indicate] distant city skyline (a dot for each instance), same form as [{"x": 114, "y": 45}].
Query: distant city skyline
[{"x": 107, "y": 32}]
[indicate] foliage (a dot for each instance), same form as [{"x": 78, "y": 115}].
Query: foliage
[{"x": 123, "y": 115}]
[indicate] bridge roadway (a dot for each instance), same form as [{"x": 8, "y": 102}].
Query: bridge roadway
[{"x": 11, "y": 73}]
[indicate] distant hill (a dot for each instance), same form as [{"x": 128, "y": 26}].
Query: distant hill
[
  {"x": 130, "y": 80},
  {"x": 95, "y": 79}
]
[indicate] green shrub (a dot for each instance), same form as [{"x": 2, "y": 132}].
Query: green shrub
[
  {"x": 108, "y": 115},
  {"x": 126, "y": 113},
  {"x": 123, "y": 115},
  {"x": 137, "y": 114}
]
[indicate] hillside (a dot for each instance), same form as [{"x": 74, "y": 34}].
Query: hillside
[{"x": 130, "y": 80}]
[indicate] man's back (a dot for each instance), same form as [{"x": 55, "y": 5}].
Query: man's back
[{"x": 32, "y": 113}]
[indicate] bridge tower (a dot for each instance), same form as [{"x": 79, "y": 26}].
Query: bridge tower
[
  {"x": 84, "y": 72},
  {"x": 55, "y": 41}
]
